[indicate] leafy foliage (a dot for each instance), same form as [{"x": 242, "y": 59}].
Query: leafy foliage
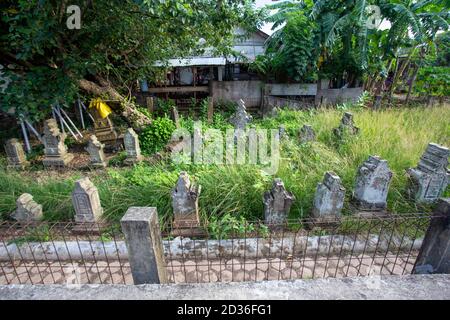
[
  {"x": 293, "y": 50},
  {"x": 153, "y": 138},
  {"x": 118, "y": 43},
  {"x": 433, "y": 81}
]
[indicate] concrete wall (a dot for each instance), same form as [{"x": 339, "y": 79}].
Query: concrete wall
[
  {"x": 334, "y": 96},
  {"x": 290, "y": 89},
  {"x": 270, "y": 102},
  {"x": 201, "y": 249},
  {"x": 250, "y": 91}
]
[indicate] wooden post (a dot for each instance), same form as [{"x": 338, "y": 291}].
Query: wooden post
[
  {"x": 210, "y": 110},
  {"x": 150, "y": 104}
]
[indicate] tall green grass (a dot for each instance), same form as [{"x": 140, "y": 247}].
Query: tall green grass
[{"x": 397, "y": 135}]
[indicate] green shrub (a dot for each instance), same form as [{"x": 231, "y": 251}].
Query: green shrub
[
  {"x": 164, "y": 107},
  {"x": 153, "y": 138},
  {"x": 232, "y": 226}
]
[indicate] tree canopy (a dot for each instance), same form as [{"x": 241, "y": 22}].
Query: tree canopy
[
  {"x": 117, "y": 44},
  {"x": 347, "y": 47}
]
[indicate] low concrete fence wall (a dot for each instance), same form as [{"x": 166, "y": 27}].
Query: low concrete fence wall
[
  {"x": 334, "y": 96},
  {"x": 185, "y": 248},
  {"x": 290, "y": 89},
  {"x": 250, "y": 91}
]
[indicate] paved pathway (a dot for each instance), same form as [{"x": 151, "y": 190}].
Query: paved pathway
[{"x": 191, "y": 271}]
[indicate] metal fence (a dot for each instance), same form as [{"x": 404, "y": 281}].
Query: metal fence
[{"x": 48, "y": 252}]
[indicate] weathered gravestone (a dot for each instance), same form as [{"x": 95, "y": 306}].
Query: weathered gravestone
[
  {"x": 104, "y": 129},
  {"x": 15, "y": 154},
  {"x": 27, "y": 209},
  {"x": 86, "y": 202},
  {"x": 430, "y": 179},
  {"x": 55, "y": 150},
  {"x": 95, "y": 149},
  {"x": 372, "y": 184},
  {"x": 185, "y": 206},
  {"x": 277, "y": 203},
  {"x": 240, "y": 118},
  {"x": 131, "y": 142},
  {"x": 307, "y": 134},
  {"x": 329, "y": 198},
  {"x": 347, "y": 126}
]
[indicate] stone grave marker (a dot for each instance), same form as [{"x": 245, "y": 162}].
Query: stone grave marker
[
  {"x": 347, "y": 126},
  {"x": 95, "y": 149},
  {"x": 329, "y": 198},
  {"x": 277, "y": 203},
  {"x": 27, "y": 209},
  {"x": 15, "y": 154},
  {"x": 55, "y": 151},
  {"x": 185, "y": 206},
  {"x": 372, "y": 184},
  {"x": 430, "y": 178},
  {"x": 240, "y": 118},
  {"x": 86, "y": 202},
  {"x": 131, "y": 142},
  {"x": 307, "y": 134}
]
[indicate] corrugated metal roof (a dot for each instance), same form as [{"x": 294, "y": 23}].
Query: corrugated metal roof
[{"x": 196, "y": 61}]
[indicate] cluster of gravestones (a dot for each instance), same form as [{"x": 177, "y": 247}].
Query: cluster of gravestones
[
  {"x": 55, "y": 150},
  {"x": 85, "y": 200},
  {"x": 427, "y": 181}
]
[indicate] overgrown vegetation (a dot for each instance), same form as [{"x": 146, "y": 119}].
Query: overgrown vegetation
[
  {"x": 235, "y": 192},
  {"x": 155, "y": 136}
]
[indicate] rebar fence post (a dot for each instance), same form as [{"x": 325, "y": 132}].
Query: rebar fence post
[
  {"x": 144, "y": 243},
  {"x": 434, "y": 255}
]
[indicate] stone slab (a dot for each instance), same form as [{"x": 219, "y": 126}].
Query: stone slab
[{"x": 408, "y": 287}]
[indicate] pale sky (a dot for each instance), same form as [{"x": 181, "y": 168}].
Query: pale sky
[{"x": 266, "y": 27}]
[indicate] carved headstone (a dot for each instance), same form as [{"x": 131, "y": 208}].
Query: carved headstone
[
  {"x": 27, "y": 209},
  {"x": 185, "y": 203},
  {"x": 347, "y": 126},
  {"x": 86, "y": 202},
  {"x": 329, "y": 198},
  {"x": 55, "y": 150},
  {"x": 95, "y": 149},
  {"x": 15, "y": 154},
  {"x": 430, "y": 179},
  {"x": 131, "y": 142},
  {"x": 307, "y": 134},
  {"x": 240, "y": 118},
  {"x": 277, "y": 203},
  {"x": 372, "y": 184}
]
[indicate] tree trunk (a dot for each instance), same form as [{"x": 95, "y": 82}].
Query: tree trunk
[
  {"x": 411, "y": 83},
  {"x": 136, "y": 119}
]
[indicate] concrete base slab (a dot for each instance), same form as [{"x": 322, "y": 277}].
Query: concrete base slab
[{"x": 410, "y": 287}]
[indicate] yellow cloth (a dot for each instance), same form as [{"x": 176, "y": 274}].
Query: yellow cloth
[{"x": 102, "y": 108}]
